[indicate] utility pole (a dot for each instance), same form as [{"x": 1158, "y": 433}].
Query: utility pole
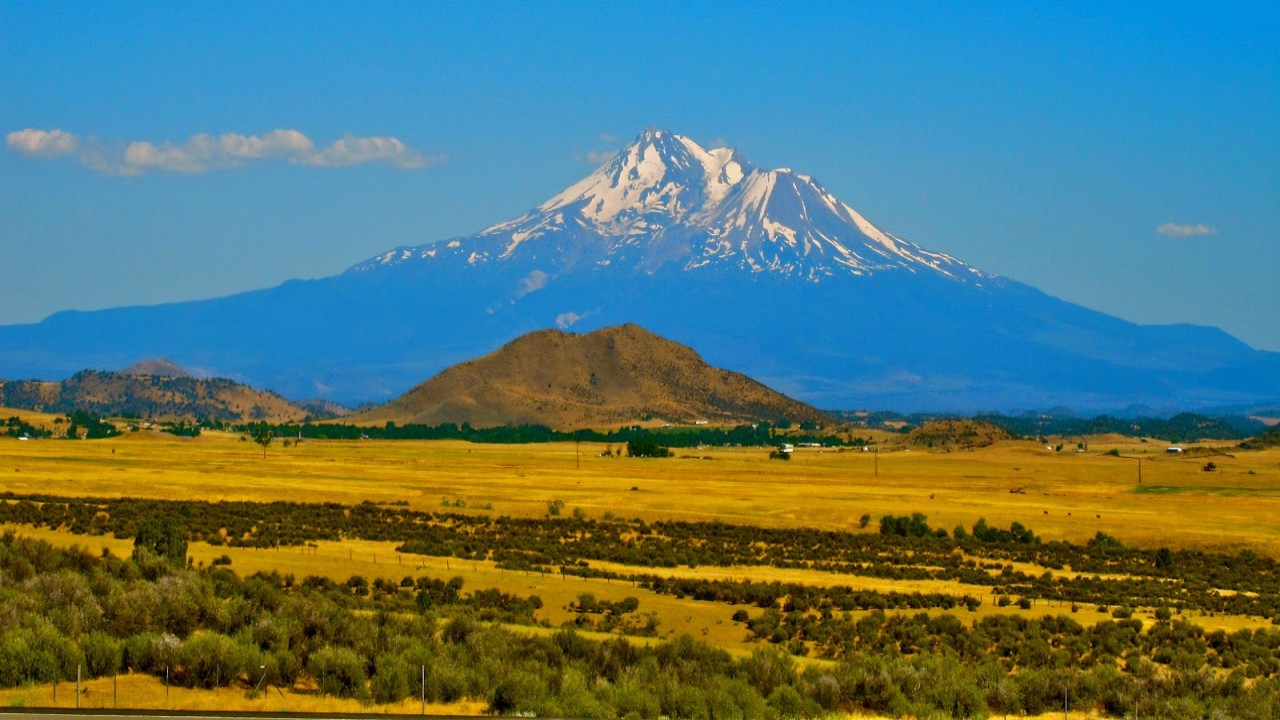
[{"x": 424, "y": 689}]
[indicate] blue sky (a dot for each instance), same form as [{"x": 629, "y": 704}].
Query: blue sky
[{"x": 1125, "y": 156}]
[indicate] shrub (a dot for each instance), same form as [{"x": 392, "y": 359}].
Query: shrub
[
  {"x": 390, "y": 680},
  {"x": 340, "y": 672},
  {"x": 212, "y": 659},
  {"x": 163, "y": 537},
  {"x": 787, "y": 702},
  {"x": 103, "y": 654},
  {"x": 520, "y": 692}
]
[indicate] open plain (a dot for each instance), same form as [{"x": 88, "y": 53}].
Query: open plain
[
  {"x": 1090, "y": 486},
  {"x": 1065, "y": 495}
]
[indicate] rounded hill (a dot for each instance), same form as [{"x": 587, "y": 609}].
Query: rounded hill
[
  {"x": 955, "y": 435},
  {"x": 157, "y": 367},
  {"x": 612, "y": 376}
]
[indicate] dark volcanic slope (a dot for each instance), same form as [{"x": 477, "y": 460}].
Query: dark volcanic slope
[{"x": 612, "y": 376}]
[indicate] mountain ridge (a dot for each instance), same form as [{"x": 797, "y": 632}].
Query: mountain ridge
[
  {"x": 169, "y": 395},
  {"x": 790, "y": 286}
]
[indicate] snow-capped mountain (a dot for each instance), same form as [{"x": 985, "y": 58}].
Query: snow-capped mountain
[
  {"x": 763, "y": 272},
  {"x": 664, "y": 200}
]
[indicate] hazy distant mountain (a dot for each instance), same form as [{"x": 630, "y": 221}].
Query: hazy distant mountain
[
  {"x": 168, "y": 395},
  {"x": 611, "y": 377},
  {"x": 762, "y": 270}
]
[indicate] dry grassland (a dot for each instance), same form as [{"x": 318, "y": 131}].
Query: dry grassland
[{"x": 1066, "y": 495}]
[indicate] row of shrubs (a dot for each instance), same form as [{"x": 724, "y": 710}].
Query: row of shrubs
[
  {"x": 908, "y": 548},
  {"x": 210, "y": 627}
]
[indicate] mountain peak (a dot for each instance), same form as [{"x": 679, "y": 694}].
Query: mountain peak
[
  {"x": 660, "y": 178},
  {"x": 665, "y": 202}
]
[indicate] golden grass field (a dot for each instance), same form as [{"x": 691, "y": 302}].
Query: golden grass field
[{"x": 1066, "y": 495}]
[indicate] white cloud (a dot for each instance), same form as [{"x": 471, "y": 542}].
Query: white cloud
[
  {"x": 595, "y": 157},
  {"x": 564, "y": 320},
  {"x": 532, "y": 282},
  {"x": 274, "y": 144},
  {"x": 195, "y": 156},
  {"x": 1172, "y": 229},
  {"x": 609, "y": 137},
  {"x": 352, "y": 150},
  {"x": 203, "y": 152},
  {"x": 43, "y": 143},
  {"x": 96, "y": 159}
]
